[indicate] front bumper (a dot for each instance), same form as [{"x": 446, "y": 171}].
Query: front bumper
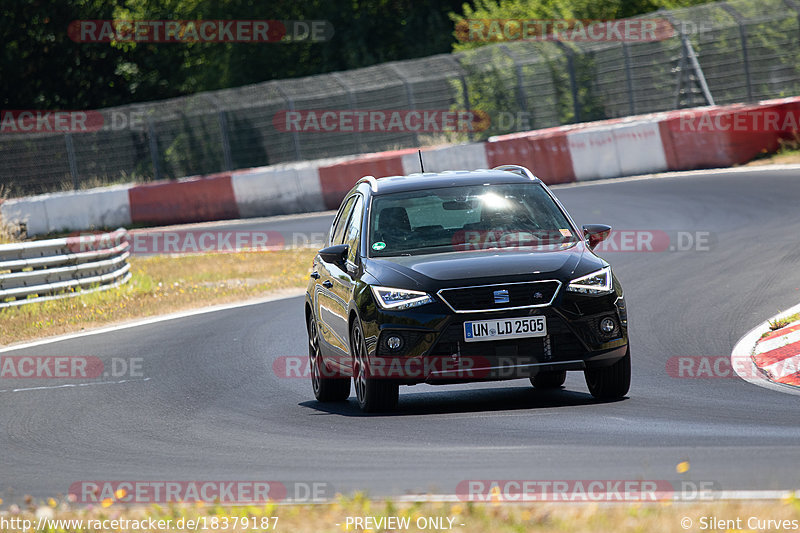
[{"x": 433, "y": 349}]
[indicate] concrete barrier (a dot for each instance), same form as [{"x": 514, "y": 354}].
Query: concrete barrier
[
  {"x": 722, "y": 136},
  {"x": 335, "y": 180},
  {"x": 184, "y": 201},
  {"x": 457, "y": 157},
  {"x": 27, "y": 215},
  {"x": 67, "y": 211},
  {"x": 594, "y": 153},
  {"x": 639, "y": 148},
  {"x": 545, "y": 152},
  {"x": 278, "y": 190},
  {"x": 674, "y": 140}
]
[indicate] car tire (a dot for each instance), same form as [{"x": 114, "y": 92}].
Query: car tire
[
  {"x": 610, "y": 382},
  {"x": 549, "y": 380},
  {"x": 326, "y": 388},
  {"x": 374, "y": 395}
]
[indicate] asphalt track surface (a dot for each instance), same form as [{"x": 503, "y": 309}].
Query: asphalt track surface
[{"x": 211, "y": 407}]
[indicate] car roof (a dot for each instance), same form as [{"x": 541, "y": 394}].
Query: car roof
[{"x": 448, "y": 178}]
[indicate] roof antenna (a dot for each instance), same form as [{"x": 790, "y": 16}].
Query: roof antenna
[{"x": 421, "y": 166}]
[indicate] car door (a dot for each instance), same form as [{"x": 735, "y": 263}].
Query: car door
[
  {"x": 324, "y": 299},
  {"x": 344, "y": 279}
]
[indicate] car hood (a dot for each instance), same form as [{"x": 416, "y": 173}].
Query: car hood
[{"x": 498, "y": 265}]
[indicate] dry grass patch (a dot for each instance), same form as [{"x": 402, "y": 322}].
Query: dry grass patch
[
  {"x": 790, "y": 157},
  {"x": 159, "y": 285},
  {"x": 476, "y": 518},
  {"x": 779, "y": 323},
  {"x": 788, "y": 153}
]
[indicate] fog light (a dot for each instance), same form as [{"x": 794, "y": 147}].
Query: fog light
[
  {"x": 394, "y": 343},
  {"x": 607, "y": 325}
]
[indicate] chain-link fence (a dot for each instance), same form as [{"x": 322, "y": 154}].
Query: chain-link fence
[{"x": 721, "y": 53}]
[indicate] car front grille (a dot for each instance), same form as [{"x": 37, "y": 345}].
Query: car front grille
[
  {"x": 501, "y": 296},
  {"x": 563, "y": 343}
]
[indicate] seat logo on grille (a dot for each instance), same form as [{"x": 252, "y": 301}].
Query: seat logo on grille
[{"x": 501, "y": 296}]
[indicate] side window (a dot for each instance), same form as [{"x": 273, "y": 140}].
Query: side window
[
  {"x": 352, "y": 237},
  {"x": 341, "y": 223}
]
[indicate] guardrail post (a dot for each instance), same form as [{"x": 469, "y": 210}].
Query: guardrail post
[
  {"x": 464, "y": 88},
  {"x": 153, "y": 142},
  {"x": 520, "y": 91},
  {"x": 698, "y": 71},
  {"x": 573, "y": 80},
  {"x": 409, "y": 93},
  {"x": 626, "y": 53},
  {"x": 295, "y": 135},
  {"x": 687, "y": 54},
  {"x": 352, "y": 101},
  {"x": 226, "y": 145},
  {"x": 73, "y": 164},
  {"x": 743, "y": 38},
  {"x": 222, "y": 120}
]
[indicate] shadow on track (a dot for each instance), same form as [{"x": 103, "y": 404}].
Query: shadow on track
[{"x": 466, "y": 401}]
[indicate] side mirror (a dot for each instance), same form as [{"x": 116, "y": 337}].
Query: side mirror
[
  {"x": 336, "y": 254},
  {"x": 595, "y": 234}
]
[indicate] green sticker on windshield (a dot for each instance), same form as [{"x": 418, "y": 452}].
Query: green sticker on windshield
[{"x": 380, "y": 245}]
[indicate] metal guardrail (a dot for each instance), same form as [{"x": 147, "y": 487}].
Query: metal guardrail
[{"x": 60, "y": 268}]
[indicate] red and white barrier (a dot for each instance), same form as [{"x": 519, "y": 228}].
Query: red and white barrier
[
  {"x": 456, "y": 157},
  {"x": 108, "y": 207},
  {"x": 706, "y": 137},
  {"x": 545, "y": 151},
  {"x": 621, "y": 149},
  {"x": 335, "y": 180},
  {"x": 179, "y": 202},
  {"x": 594, "y": 153},
  {"x": 277, "y": 190}
]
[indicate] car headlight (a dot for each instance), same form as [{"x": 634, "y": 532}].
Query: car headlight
[
  {"x": 595, "y": 283},
  {"x": 389, "y": 298}
]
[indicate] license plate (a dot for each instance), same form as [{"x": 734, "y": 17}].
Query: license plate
[{"x": 505, "y": 328}]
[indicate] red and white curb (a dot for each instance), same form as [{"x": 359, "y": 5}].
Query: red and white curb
[
  {"x": 778, "y": 355},
  {"x": 773, "y": 360}
]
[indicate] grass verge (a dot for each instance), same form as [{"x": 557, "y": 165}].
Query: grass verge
[
  {"x": 467, "y": 517},
  {"x": 159, "y": 285},
  {"x": 788, "y": 153},
  {"x": 779, "y": 323}
]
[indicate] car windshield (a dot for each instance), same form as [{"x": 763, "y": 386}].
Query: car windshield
[{"x": 467, "y": 218}]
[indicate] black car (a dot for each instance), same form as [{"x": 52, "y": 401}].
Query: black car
[{"x": 461, "y": 276}]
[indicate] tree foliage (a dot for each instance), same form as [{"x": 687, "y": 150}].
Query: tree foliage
[
  {"x": 556, "y": 9},
  {"x": 41, "y": 67}
]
